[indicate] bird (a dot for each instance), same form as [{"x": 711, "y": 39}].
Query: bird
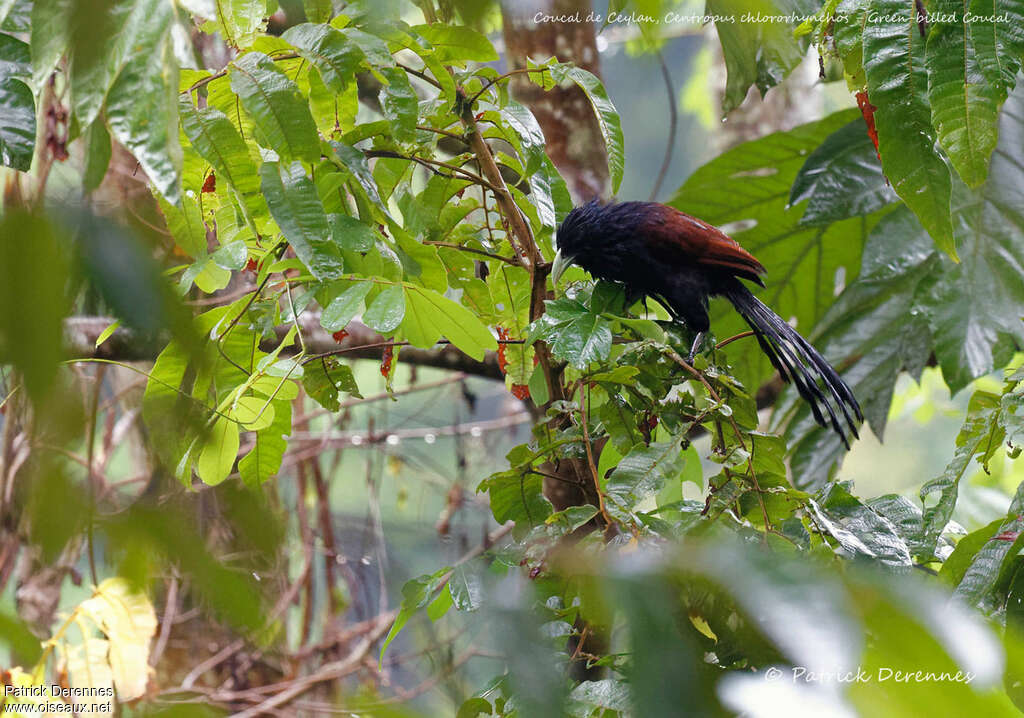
[{"x": 680, "y": 261}]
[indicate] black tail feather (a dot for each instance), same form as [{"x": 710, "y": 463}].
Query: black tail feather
[{"x": 799, "y": 362}]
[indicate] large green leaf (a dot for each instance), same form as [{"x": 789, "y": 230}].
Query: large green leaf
[
  {"x": 33, "y": 274},
  {"x": 101, "y": 36},
  {"x": 980, "y": 436},
  {"x": 215, "y": 138},
  {"x": 986, "y": 565},
  {"x": 429, "y": 315},
  {"x": 748, "y": 187},
  {"x": 457, "y": 44},
  {"x": 325, "y": 378},
  {"x": 640, "y": 475},
  {"x": 269, "y": 445},
  {"x": 865, "y": 529},
  {"x": 240, "y": 22},
  {"x": 607, "y": 117},
  {"x": 142, "y": 104},
  {"x": 17, "y": 124},
  {"x": 974, "y": 308},
  {"x": 894, "y": 61},
  {"x": 51, "y": 21},
  {"x": 186, "y": 226},
  {"x": 874, "y": 332},
  {"x": 850, "y": 19},
  {"x": 517, "y": 496},
  {"x": 17, "y": 106},
  {"x": 280, "y": 112},
  {"x": 842, "y": 178},
  {"x": 998, "y": 44},
  {"x": 965, "y": 103},
  {"x": 576, "y": 333},
  {"x": 332, "y": 53},
  {"x": 756, "y": 53},
  {"x": 386, "y": 311},
  {"x": 343, "y": 307},
  {"x": 296, "y": 207},
  {"x": 400, "y": 103},
  {"x": 220, "y": 448}
]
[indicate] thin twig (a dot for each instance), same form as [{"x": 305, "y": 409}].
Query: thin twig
[
  {"x": 673, "y": 120},
  {"x": 472, "y": 250}
]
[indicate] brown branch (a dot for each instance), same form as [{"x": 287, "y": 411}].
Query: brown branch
[{"x": 80, "y": 334}]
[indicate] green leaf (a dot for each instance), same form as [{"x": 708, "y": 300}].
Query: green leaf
[
  {"x": 351, "y": 234},
  {"x": 15, "y": 58},
  {"x": 842, "y": 178},
  {"x": 457, "y": 43},
  {"x": 894, "y": 53},
  {"x": 17, "y": 124},
  {"x": 355, "y": 162},
  {"x": 428, "y": 315},
  {"x": 748, "y": 185},
  {"x": 269, "y": 444},
  {"x": 640, "y": 475},
  {"x": 51, "y": 20},
  {"x": 336, "y": 56},
  {"x": 517, "y": 496},
  {"x": 608, "y": 694},
  {"x": 875, "y": 533},
  {"x": 295, "y": 206},
  {"x": 979, "y": 437},
  {"x": 575, "y": 333},
  {"x": 387, "y": 310},
  {"x": 376, "y": 51},
  {"x": 573, "y": 517},
  {"x": 400, "y": 103},
  {"x": 142, "y": 104},
  {"x": 756, "y": 53},
  {"x": 416, "y": 594},
  {"x": 956, "y": 565},
  {"x": 324, "y": 378},
  {"x": 974, "y": 307},
  {"x": 241, "y": 22},
  {"x": 219, "y": 451},
  {"x": 280, "y": 112},
  {"x": 33, "y": 277},
  {"x": 318, "y": 10},
  {"x": 17, "y": 105},
  {"x": 983, "y": 572},
  {"x": 998, "y": 44},
  {"x": 419, "y": 261},
  {"x": 215, "y": 138},
  {"x": 607, "y": 120},
  {"x": 252, "y": 413},
  {"x": 97, "y": 154},
  {"x": 466, "y": 589},
  {"x": 186, "y": 226},
  {"x": 342, "y": 308},
  {"x": 965, "y": 104},
  {"x": 474, "y": 707},
  {"x": 101, "y": 36},
  {"x": 850, "y": 19},
  {"x": 874, "y": 332}
]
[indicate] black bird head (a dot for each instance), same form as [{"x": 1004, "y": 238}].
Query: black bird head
[{"x": 574, "y": 235}]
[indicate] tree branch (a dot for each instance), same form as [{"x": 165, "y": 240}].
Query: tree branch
[{"x": 124, "y": 344}]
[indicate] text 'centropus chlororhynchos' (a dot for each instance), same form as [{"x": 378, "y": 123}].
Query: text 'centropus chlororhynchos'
[{"x": 679, "y": 260}]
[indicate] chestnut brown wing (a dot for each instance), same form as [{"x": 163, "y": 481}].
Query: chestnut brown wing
[{"x": 678, "y": 238}]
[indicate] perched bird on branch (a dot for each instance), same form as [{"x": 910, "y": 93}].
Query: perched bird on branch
[{"x": 680, "y": 261}]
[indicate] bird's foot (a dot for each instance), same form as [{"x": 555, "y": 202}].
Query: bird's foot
[{"x": 696, "y": 345}]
